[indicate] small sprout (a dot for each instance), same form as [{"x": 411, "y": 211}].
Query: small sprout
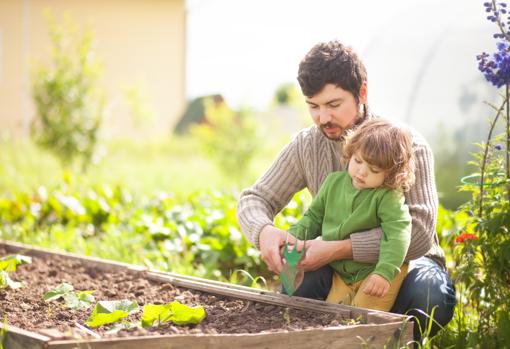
[
  {"x": 9, "y": 264},
  {"x": 6, "y": 281},
  {"x": 123, "y": 325},
  {"x": 73, "y": 300}
]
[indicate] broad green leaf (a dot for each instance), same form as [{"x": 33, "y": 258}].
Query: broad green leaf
[
  {"x": 9, "y": 263},
  {"x": 153, "y": 312},
  {"x": 80, "y": 300},
  {"x": 58, "y": 292},
  {"x": 183, "y": 314},
  {"x": 101, "y": 319},
  {"x": 6, "y": 281},
  {"x": 107, "y": 312},
  {"x": 175, "y": 312}
]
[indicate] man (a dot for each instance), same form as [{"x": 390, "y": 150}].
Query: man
[{"x": 334, "y": 82}]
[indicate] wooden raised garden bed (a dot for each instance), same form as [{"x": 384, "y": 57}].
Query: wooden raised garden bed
[{"x": 236, "y": 316}]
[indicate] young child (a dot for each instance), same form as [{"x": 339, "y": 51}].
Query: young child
[{"x": 368, "y": 195}]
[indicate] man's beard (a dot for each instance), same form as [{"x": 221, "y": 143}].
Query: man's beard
[{"x": 359, "y": 119}]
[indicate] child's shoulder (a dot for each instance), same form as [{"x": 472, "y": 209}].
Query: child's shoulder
[{"x": 337, "y": 176}]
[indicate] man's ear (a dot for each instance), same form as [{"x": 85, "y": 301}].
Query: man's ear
[{"x": 363, "y": 93}]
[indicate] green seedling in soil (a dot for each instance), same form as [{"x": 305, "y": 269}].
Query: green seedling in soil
[
  {"x": 109, "y": 312},
  {"x": 180, "y": 314},
  {"x": 3, "y": 333},
  {"x": 255, "y": 282},
  {"x": 9, "y": 264},
  {"x": 286, "y": 316},
  {"x": 123, "y": 325},
  {"x": 73, "y": 300}
]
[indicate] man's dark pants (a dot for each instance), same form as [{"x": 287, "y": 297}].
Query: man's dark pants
[{"x": 427, "y": 286}]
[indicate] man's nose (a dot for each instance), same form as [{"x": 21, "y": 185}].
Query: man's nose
[{"x": 324, "y": 116}]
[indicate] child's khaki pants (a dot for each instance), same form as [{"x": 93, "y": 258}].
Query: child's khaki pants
[{"x": 353, "y": 294}]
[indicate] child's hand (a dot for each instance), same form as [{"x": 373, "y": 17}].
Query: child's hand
[{"x": 376, "y": 286}]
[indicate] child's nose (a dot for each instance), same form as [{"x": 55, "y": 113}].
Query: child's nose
[{"x": 362, "y": 171}]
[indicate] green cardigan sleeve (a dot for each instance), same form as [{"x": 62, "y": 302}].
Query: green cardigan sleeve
[
  {"x": 396, "y": 237},
  {"x": 310, "y": 225}
]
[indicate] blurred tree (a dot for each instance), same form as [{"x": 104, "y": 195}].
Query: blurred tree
[
  {"x": 68, "y": 102},
  {"x": 287, "y": 94},
  {"x": 228, "y": 137},
  {"x": 195, "y": 113}
]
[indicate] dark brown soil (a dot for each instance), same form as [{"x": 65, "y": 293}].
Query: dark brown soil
[{"x": 25, "y": 308}]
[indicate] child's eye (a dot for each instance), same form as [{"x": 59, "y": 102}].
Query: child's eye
[
  {"x": 374, "y": 171},
  {"x": 358, "y": 161}
]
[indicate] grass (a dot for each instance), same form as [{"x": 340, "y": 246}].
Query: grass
[{"x": 170, "y": 165}]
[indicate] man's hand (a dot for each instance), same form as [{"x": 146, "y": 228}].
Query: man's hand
[
  {"x": 376, "y": 286},
  {"x": 271, "y": 241},
  {"x": 319, "y": 253}
]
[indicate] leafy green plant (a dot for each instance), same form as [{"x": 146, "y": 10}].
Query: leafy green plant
[
  {"x": 9, "y": 264},
  {"x": 6, "y": 281},
  {"x": 68, "y": 102},
  {"x": 255, "y": 282},
  {"x": 108, "y": 312},
  {"x": 180, "y": 314},
  {"x": 482, "y": 247},
  {"x": 73, "y": 300}
]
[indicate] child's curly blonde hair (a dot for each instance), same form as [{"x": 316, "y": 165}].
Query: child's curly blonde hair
[{"x": 386, "y": 146}]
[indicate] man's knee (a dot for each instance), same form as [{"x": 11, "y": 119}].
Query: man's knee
[{"x": 427, "y": 293}]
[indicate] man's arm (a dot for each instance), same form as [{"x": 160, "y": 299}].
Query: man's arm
[
  {"x": 422, "y": 202},
  {"x": 258, "y": 205}
]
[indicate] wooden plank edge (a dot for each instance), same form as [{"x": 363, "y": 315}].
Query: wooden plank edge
[
  {"x": 17, "y": 338},
  {"x": 263, "y": 297},
  {"x": 13, "y": 329},
  {"x": 95, "y": 261},
  {"x": 287, "y": 339}
]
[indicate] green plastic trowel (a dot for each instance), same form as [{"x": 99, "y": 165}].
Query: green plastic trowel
[{"x": 291, "y": 275}]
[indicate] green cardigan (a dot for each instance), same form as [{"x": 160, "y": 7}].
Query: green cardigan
[{"x": 340, "y": 209}]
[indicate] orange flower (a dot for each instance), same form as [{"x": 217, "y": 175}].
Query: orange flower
[{"x": 465, "y": 236}]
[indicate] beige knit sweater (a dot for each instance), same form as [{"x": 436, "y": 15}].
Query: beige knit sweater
[{"x": 306, "y": 161}]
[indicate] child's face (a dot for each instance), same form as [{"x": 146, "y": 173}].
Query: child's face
[{"x": 364, "y": 175}]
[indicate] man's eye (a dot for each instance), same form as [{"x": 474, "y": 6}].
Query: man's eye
[
  {"x": 312, "y": 106},
  {"x": 334, "y": 105}
]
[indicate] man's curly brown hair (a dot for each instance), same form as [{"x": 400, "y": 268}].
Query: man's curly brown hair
[
  {"x": 331, "y": 63},
  {"x": 387, "y": 146}
]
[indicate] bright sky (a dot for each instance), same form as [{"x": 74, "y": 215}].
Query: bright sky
[{"x": 420, "y": 54}]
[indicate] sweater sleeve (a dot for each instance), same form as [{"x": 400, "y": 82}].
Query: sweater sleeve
[
  {"x": 396, "y": 226},
  {"x": 310, "y": 225},
  {"x": 258, "y": 205},
  {"x": 422, "y": 202}
]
